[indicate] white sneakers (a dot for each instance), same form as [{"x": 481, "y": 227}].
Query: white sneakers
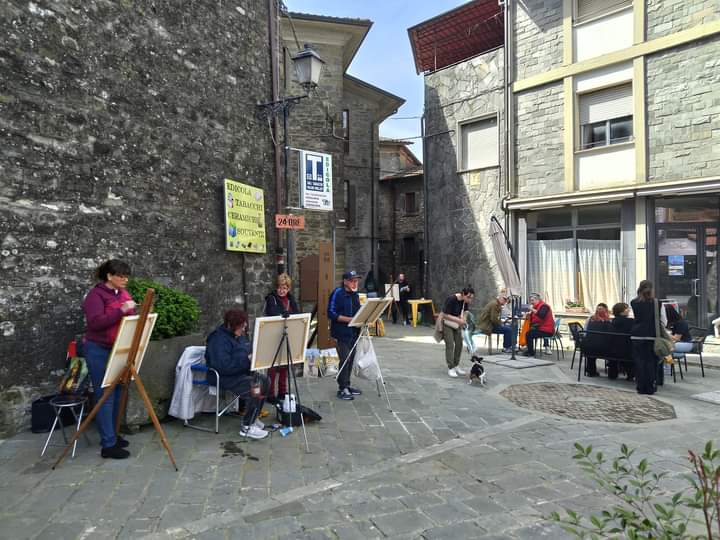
[
  {"x": 253, "y": 432},
  {"x": 258, "y": 424},
  {"x": 460, "y": 371},
  {"x": 452, "y": 372},
  {"x": 547, "y": 350}
]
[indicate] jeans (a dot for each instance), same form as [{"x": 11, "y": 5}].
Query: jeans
[
  {"x": 343, "y": 348},
  {"x": 453, "y": 345},
  {"x": 253, "y": 406},
  {"x": 507, "y": 334},
  {"x": 682, "y": 346},
  {"x": 281, "y": 374},
  {"x": 96, "y": 357},
  {"x": 534, "y": 334}
]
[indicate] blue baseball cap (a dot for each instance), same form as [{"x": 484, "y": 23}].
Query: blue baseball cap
[{"x": 351, "y": 274}]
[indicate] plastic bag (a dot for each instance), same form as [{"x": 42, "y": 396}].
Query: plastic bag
[{"x": 366, "y": 364}]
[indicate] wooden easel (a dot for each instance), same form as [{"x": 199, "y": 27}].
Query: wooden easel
[{"x": 128, "y": 374}]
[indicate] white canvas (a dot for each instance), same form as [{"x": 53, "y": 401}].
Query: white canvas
[
  {"x": 267, "y": 336},
  {"x": 121, "y": 349}
]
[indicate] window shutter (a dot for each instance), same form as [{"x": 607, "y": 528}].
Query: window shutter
[
  {"x": 588, "y": 8},
  {"x": 479, "y": 144},
  {"x": 606, "y": 104}
]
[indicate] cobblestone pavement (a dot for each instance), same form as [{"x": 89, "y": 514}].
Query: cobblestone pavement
[{"x": 451, "y": 460}]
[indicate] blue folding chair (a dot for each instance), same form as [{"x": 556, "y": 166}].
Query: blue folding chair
[{"x": 202, "y": 371}]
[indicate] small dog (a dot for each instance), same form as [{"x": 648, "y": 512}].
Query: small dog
[{"x": 477, "y": 371}]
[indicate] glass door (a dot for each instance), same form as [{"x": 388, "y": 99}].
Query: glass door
[{"x": 679, "y": 268}]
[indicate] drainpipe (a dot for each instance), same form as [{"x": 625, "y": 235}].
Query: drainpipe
[
  {"x": 273, "y": 18},
  {"x": 426, "y": 204},
  {"x": 373, "y": 126},
  {"x": 508, "y": 61}
]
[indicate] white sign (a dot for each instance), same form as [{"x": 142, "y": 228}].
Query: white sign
[{"x": 315, "y": 180}]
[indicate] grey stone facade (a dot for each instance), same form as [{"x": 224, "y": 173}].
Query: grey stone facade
[
  {"x": 539, "y": 141},
  {"x": 683, "y": 112},
  {"x": 119, "y": 123},
  {"x": 669, "y": 16},
  {"x": 460, "y": 205},
  {"x": 538, "y": 36}
]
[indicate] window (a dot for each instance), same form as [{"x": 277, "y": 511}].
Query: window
[
  {"x": 606, "y": 117},
  {"x": 346, "y": 130},
  {"x": 593, "y": 8},
  {"x": 411, "y": 203},
  {"x": 479, "y": 144},
  {"x": 409, "y": 250}
]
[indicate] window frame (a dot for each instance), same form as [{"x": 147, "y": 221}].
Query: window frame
[
  {"x": 459, "y": 139},
  {"x": 581, "y": 145},
  {"x": 608, "y": 125},
  {"x": 345, "y": 125},
  {"x": 415, "y": 208},
  {"x": 622, "y": 5}
]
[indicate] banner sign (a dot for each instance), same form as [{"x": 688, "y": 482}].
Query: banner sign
[
  {"x": 288, "y": 221},
  {"x": 244, "y": 218},
  {"x": 315, "y": 180}
]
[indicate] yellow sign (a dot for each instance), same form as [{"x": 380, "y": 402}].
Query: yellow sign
[{"x": 244, "y": 217}]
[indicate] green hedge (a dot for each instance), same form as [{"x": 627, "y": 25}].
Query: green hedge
[{"x": 178, "y": 312}]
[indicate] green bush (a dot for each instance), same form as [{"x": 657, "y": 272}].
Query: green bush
[{"x": 177, "y": 312}]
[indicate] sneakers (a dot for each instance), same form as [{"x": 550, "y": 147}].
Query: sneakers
[
  {"x": 452, "y": 372},
  {"x": 345, "y": 394},
  {"x": 547, "y": 350},
  {"x": 507, "y": 351},
  {"x": 253, "y": 432},
  {"x": 355, "y": 391},
  {"x": 258, "y": 424},
  {"x": 460, "y": 371},
  {"x": 114, "y": 452}
]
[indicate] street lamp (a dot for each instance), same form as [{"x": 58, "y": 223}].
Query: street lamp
[{"x": 308, "y": 67}]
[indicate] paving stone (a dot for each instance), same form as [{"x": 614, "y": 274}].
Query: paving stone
[
  {"x": 456, "y": 531},
  {"x": 405, "y": 522}
]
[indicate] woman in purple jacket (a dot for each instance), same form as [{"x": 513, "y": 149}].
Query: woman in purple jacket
[{"x": 104, "y": 306}]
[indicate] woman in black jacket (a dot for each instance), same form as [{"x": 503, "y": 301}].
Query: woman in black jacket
[
  {"x": 643, "y": 333},
  {"x": 279, "y": 302}
]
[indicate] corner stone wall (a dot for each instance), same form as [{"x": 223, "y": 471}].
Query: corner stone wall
[
  {"x": 460, "y": 205},
  {"x": 683, "y": 112},
  {"x": 539, "y": 141},
  {"x": 669, "y": 16},
  {"x": 538, "y": 37},
  {"x": 119, "y": 122}
]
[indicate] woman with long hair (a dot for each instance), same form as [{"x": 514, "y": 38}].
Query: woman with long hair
[{"x": 643, "y": 333}]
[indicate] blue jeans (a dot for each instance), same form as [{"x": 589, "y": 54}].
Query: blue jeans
[
  {"x": 96, "y": 357},
  {"x": 507, "y": 335},
  {"x": 682, "y": 346}
]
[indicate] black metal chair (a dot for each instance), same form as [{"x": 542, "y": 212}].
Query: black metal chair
[
  {"x": 575, "y": 334},
  {"x": 699, "y": 335}
]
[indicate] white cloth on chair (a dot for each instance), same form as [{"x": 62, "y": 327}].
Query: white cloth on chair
[{"x": 188, "y": 398}]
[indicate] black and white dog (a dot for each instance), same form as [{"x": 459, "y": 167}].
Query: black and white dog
[{"x": 477, "y": 371}]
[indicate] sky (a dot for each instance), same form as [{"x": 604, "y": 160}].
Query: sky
[{"x": 385, "y": 58}]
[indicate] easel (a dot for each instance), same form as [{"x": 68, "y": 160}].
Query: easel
[
  {"x": 291, "y": 375},
  {"x": 368, "y": 315},
  {"x": 128, "y": 374}
]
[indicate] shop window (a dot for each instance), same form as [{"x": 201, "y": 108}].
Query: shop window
[
  {"x": 585, "y": 9},
  {"x": 479, "y": 144},
  {"x": 606, "y": 117}
]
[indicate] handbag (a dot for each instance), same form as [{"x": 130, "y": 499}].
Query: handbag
[
  {"x": 662, "y": 346},
  {"x": 453, "y": 324}
]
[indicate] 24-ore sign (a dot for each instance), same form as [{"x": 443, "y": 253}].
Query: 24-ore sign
[
  {"x": 289, "y": 221},
  {"x": 315, "y": 180},
  {"x": 244, "y": 218}
]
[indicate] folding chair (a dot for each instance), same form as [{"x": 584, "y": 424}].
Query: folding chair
[{"x": 214, "y": 390}]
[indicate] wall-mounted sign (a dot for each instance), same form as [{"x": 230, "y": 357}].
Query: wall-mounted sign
[
  {"x": 676, "y": 265},
  {"x": 288, "y": 221},
  {"x": 244, "y": 217},
  {"x": 315, "y": 180}
]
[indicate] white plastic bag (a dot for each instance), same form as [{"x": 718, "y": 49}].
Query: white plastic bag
[{"x": 366, "y": 364}]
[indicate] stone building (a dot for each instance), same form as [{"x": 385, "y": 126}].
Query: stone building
[
  {"x": 401, "y": 222},
  {"x": 613, "y": 138},
  {"x": 342, "y": 118}
]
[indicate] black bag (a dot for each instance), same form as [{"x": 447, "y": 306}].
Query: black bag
[
  {"x": 293, "y": 419},
  {"x": 43, "y": 415}
]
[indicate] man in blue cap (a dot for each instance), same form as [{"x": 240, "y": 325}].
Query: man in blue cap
[{"x": 344, "y": 303}]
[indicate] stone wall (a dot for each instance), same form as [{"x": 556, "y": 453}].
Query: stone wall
[
  {"x": 538, "y": 36},
  {"x": 539, "y": 141},
  {"x": 460, "y": 205},
  {"x": 119, "y": 121},
  {"x": 683, "y": 112},
  {"x": 669, "y": 16}
]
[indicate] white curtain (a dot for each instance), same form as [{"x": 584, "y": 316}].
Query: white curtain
[
  {"x": 551, "y": 270},
  {"x": 600, "y": 268}
]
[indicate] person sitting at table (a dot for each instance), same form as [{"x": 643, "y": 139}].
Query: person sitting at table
[
  {"x": 489, "y": 322},
  {"x": 622, "y": 324},
  {"x": 679, "y": 330},
  {"x": 542, "y": 322},
  {"x": 228, "y": 351},
  {"x": 599, "y": 322}
]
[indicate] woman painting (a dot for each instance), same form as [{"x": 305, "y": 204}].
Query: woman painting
[
  {"x": 104, "y": 306},
  {"x": 643, "y": 333}
]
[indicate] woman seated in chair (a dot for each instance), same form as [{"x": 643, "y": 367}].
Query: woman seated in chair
[
  {"x": 228, "y": 351},
  {"x": 679, "y": 330},
  {"x": 622, "y": 324},
  {"x": 599, "y": 322}
]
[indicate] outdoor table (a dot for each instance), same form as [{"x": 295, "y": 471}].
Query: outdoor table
[{"x": 419, "y": 302}]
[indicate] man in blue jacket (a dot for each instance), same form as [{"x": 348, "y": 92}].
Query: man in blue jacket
[{"x": 344, "y": 303}]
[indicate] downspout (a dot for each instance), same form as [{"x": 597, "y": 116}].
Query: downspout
[
  {"x": 393, "y": 227},
  {"x": 273, "y": 20},
  {"x": 426, "y": 204},
  {"x": 373, "y": 126},
  {"x": 508, "y": 62}
]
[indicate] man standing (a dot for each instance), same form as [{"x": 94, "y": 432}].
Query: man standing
[
  {"x": 344, "y": 303},
  {"x": 404, "y": 288}
]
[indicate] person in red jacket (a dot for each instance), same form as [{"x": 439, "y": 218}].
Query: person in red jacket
[
  {"x": 105, "y": 306},
  {"x": 542, "y": 322}
]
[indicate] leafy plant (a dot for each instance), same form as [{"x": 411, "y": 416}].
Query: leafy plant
[
  {"x": 573, "y": 304},
  {"x": 644, "y": 510},
  {"x": 178, "y": 312}
]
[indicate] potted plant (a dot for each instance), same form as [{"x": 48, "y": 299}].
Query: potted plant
[
  {"x": 571, "y": 306},
  {"x": 178, "y": 314}
]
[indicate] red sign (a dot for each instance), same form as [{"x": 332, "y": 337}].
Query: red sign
[{"x": 288, "y": 221}]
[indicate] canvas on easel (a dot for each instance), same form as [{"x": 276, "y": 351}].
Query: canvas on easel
[
  {"x": 370, "y": 311},
  {"x": 267, "y": 335},
  {"x": 117, "y": 361},
  {"x": 395, "y": 291}
]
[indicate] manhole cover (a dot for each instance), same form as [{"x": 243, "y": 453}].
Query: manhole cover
[{"x": 584, "y": 402}]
